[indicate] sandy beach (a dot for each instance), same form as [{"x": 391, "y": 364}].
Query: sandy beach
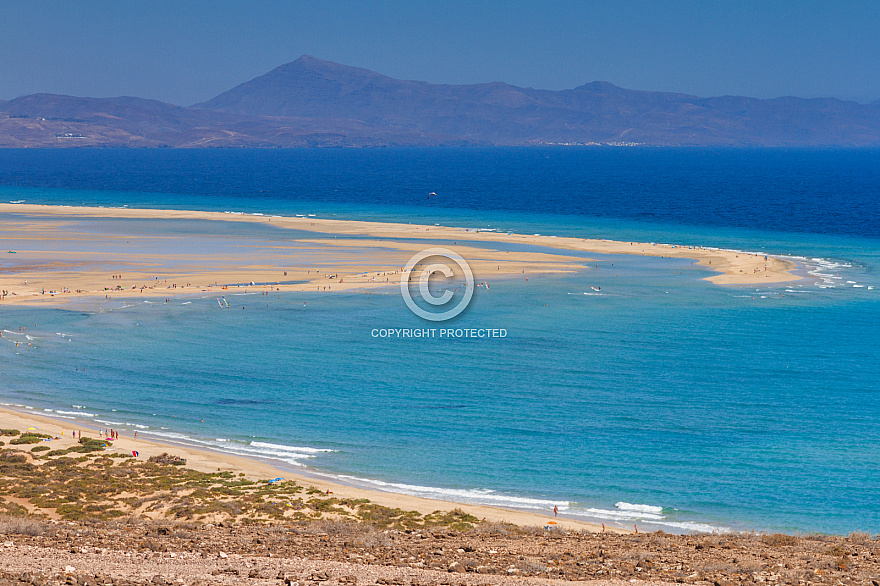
[
  {"x": 75, "y": 512},
  {"x": 212, "y": 461},
  {"x": 55, "y": 259},
  {"x": 61, "y": 524}
]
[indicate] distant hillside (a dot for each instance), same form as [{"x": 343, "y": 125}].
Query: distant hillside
[
  {"x": 48, "y": 120},
  {"x": 310, "y": 102}
]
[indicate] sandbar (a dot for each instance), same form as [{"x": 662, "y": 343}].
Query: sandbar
[{"x": 55, "y": 259}]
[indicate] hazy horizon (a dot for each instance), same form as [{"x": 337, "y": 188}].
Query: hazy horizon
[{"x": 185, "y": 54}]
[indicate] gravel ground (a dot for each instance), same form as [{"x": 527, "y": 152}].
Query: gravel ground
[{"x": 40, "y": 565}]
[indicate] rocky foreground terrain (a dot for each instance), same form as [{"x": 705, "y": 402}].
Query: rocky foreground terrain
[
  {"x": 347, "y": 552},
  {"x": 84, "y": 516}
]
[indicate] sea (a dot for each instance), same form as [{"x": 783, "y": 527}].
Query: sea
[{"x": 631, "y": 392}]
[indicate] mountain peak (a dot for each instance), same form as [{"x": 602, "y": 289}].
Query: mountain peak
[
  {"x": 308, "y": 87},
  {"x": 599, "y": 86},
  {"x": 315, "y": 102},
  {"x": 312, "y": 61},
  {"x": 313, "y": 65},
  {"x": 309, "y": 62}
]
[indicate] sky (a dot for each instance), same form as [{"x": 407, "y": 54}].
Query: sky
[{"x": 185, "y": 52}]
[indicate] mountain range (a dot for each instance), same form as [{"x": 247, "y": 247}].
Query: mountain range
[{"x": 314, "y": 103}]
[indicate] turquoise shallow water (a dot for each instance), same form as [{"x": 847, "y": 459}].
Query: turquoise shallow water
[
  {"x": 727, "y": 407},
  {"x": 660, "y": 399}
]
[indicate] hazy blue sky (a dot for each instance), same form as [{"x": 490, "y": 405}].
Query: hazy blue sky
[{"x": 184, "y": 52}]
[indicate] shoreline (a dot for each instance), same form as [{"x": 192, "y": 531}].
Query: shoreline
[
  {"x": 335, "y": 252},
  {"x": 183, "y": 526},
  {"x": 205, "y": 459},
  {"x": 725, "y": 261}
]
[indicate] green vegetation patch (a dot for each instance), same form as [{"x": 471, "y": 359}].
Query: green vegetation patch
[
  {"x": 80, "y": 485},
  {"x": 29, "y": 438}
]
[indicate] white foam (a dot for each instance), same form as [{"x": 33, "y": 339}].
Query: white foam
[
  {"x": 465, "y": 495},
  {"x": 137, "y": 425},
  {"x": 697, "y": 527},
  {"x": 176, "y": 436},
  {"x": 287, "y": 454},
  {"x": 80, "y": 413},
  {"x": 647, "y": 514},
  {"x": 640, "y": 508},
  {"x": 618, "y": 515},
  {"x": 289, "y": 448}
]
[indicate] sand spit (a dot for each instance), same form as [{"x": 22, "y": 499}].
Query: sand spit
[{"x": 58, "y": 260}]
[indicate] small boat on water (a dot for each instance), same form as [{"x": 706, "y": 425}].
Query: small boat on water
[{"x": 595, "y": 288}]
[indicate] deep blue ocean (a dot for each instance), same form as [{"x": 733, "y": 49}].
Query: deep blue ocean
[{"x": 660, "y": 399}]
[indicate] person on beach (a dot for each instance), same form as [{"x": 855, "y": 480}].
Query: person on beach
[{"x": 555, "y": 511}]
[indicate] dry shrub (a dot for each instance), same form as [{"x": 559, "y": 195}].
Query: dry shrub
[
  {"x": 20, "y": 526},
  {"x": 719, "y": 567},
  {"x": 740, "y": 536},
  {"x": 798, "y": 576},
  {"x": 635, "y": 555},
  {"x": 836, "y": 551},
  {"x": 545, "y": 531},
  {"x": 166, "y": 458},
  {"x": 779, "y": 539},
  {"x": 359, "y": 534},
  {"x": 172, "y": 529},
  {"x": 658, "y": 538},
  {"x": 748, "y": 568},
  {"x": 860, "y": 537},
  {"x": 495, "y": 527},
  {"x": 531, "y": 566},
  {"x": 13, "y": 457}
]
